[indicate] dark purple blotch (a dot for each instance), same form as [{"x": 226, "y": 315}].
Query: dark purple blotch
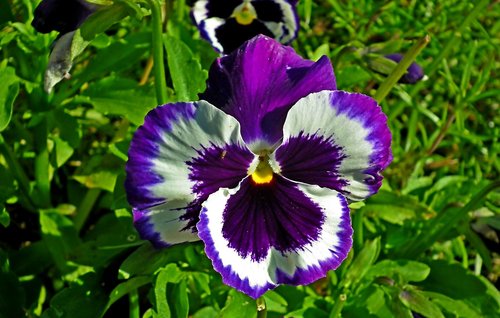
[{"x": 278, "y": 214}]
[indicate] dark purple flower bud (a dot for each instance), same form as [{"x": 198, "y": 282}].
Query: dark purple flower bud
[
  {"x": 414, "y": 73},
  {"x": 61, "y": 15}
]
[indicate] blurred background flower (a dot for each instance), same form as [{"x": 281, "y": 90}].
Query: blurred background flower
[{"x": 226, "y": 24}]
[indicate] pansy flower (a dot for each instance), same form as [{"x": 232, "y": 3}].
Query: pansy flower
[
  {"x": 61, "y": 15},
  {"x": 226, "y": 24},
  {"x": 261, "y": 170},
  {"x": 413, "y": 74}
]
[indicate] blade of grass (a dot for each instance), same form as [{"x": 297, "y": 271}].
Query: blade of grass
[{"x": 442, "y": 224}]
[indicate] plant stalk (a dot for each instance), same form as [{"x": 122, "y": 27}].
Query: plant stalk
[
  {"x": 157, "y": 44},
  {"x": 261, "y": 307}
]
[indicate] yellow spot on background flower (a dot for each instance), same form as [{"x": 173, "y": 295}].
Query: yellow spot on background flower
[{"x": 244, "y": 13}]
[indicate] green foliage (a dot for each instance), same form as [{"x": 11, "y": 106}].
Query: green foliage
[{"x": 427, "y": 243}]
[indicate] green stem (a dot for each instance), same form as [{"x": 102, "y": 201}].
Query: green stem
[
  {"x": 157, "y": 43},
  {"x": 17, "y": 171},
  {"x": 400, "y": 69},
  {"x": 337, "y": 307},
  {"x": 358, "y": 229},
  {"x": 261, "y": 307},
  {"x": 85, "y": 207},
  {"x": 134, "y": 311},
  {"x": 42, "y": 164}
]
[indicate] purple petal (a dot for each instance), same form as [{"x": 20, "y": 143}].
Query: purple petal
[
  {"x": 260, "y": 236},
  {"x": 337, "y": 140},
  {"x": 61, "y": 15},
  {"x": 167, "y": 171},
  {"x": 258, "y": 83}
]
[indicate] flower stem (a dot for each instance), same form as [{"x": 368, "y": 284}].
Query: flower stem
[
  {"x": 261, "y": 307},
  {"x": 157, "y": 43},
  {"x": 337, "y": 307},
  {"x": 400, "y": 69}
]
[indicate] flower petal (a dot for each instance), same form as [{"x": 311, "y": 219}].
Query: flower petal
[
  {"x": 228, "y": 35},
  {"x": 260, "y": 236},
  {"x": 181, "y": 154},
  {"x": 204, "y": 9},
  {"x": 337, "y": 140},
  {"x": 259, "y": 83},
  {"x": 61, "y": 15},
  {"x": 280, "y": 16}
]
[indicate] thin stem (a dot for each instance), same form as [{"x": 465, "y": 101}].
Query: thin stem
[
  {"x": 134, "y": 311},
  {"x": 337, "y": 307},
  {"x": 85, "y": 207},
  {"x": 147, "y": 71},
  {"x": 261, "y": 307},
  {"x": 358, "y": 229},
  {"x": 157, "y": 43},
  {"x": 400, "y": 69}
]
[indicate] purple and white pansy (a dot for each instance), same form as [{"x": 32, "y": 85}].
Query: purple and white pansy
[
  {"x": 227, "y": 24},
  {"x": 262, "y": 169}
]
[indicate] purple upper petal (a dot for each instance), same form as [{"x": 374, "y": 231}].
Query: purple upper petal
[
  {"x": 259, "y": 82},
  {"x": 337, "y": 140}
]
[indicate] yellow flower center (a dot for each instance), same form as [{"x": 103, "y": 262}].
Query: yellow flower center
[
  {"x": 263, "y": 173},
  {"x": 244, "y": 13}
]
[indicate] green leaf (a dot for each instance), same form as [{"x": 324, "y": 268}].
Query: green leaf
[
  {"x": 403, "y": 271},
  {"x": 58, "y": 233},
  {"x": 121, "y": 96},
  {"x": 4, "y": 216},
  {"x": 455, "y": 307},
  {"x": 65, "y": 50},
  {"x": 351, "y": 75},
  {"x": 178, "y": 297},
  {"x": 101, "y": 20},
  {"x": 391, "y": 213},
  {"x": 275, "y": 302},
  {"x": 206, "y": 312},
  {"x": 419, "y": 303},
  {"x": 239, "y": 305},
  {"x": 134, "y": 264},
  {"x": 172, "y": 301},
  {"x": 126, "y": 287},
  {"x": 187, "y": 75},
  {"x": 12, "y": 296},
  {"x": 362, "y": 262},
  {"x": 61, "y": 153},
  {"x": 454, "y": 281},
  {"x": 8, "y": 93},
  {"x": 118, "y": 56},
  {"x": 83, "y": 300}
]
